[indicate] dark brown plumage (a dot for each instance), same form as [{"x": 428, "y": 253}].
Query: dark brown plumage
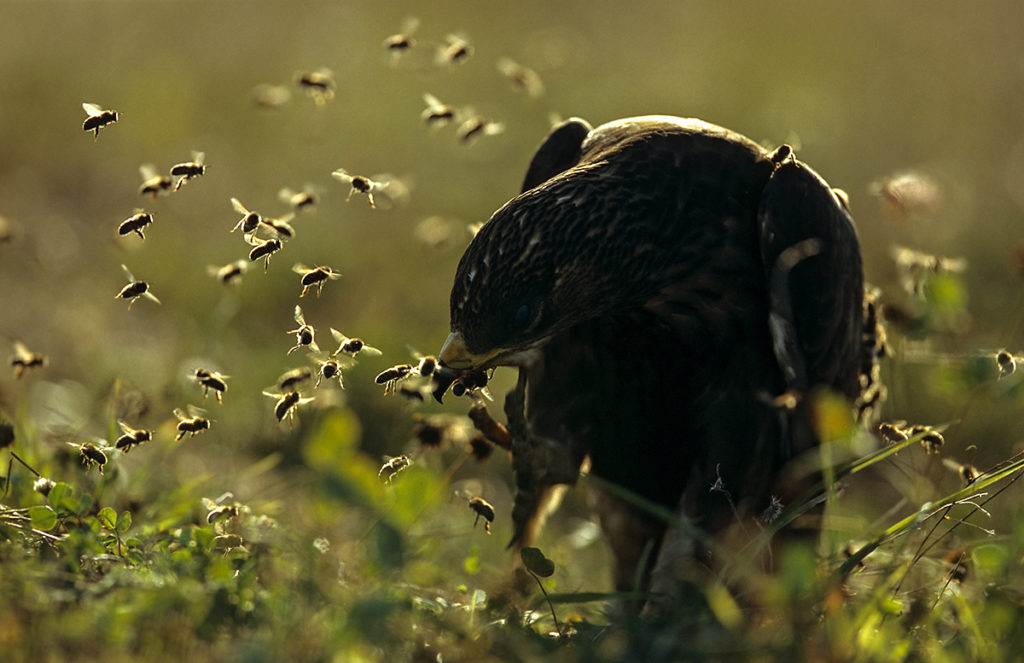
[{"x": 659, "y": 282}]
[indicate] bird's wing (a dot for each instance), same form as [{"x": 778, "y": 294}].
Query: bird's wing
[
  {"x": 560, "y": 151},
  {"x": 814, "y": 274}
]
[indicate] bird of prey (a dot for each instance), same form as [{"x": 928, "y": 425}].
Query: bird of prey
[{"x": 670, "y": 291}]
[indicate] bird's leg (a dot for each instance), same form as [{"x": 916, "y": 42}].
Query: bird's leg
[
  {"x": 515, "y": 408},
  {"x": 542, "y": 468}
]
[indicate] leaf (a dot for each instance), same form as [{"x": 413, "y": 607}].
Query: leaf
[
  {"x": 60, "y": 497},
  {"x": 107, "y": 518},
  {"x": 124, "y": 522},
  {"x": 536, "y": 563},
  {"x": 43, "y": 518}
]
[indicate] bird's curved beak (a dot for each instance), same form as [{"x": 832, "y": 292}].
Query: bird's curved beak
[{"x": 454, "y": 354}]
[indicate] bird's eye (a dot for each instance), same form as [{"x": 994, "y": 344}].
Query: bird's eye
[{"x": 526, "y": 316}]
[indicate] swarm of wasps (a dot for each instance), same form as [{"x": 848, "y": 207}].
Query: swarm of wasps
[{"x": 265, "y": 236}]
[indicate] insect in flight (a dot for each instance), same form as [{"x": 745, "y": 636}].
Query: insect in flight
[
  {"x": 299, "y": 200},
  {"x": 393, "y": 466},
  {"x": 153, "y": 183},
  {"x": 134, "y": 289},
  {"x": 286, "y": 404},
  {"x": 968, "y": 473},
  {"x": 477, "y": 126},
  {"x": 217, "y": 512},
  {"x": 328, "y": 369},
  {"x": 249, "y": 222},
  {"x": 390, "y": 377},
  {"x": 229, "y": 273},
  {"x": 480, "y": 447},
  {"x": 455, "y": 50},
  {"x": 263, "y": 248},
  {"x": 292, "y": 379},
  {"x": 192, "y": 422},
  {"x": 523, "y": 78},
  {"x": 24, "y": 360},
  {"x": 270, "y": 96},
  {"x": 905, "y": 194},
  {"x": 304, "y": 333},
  {"x": 281, "y": 227},
  {"x": 92, "y": 453},
  {"x": 1006, "y": 362},
  {"x": 352, "y": 346},
  {"x": 482, "y": 507},
  {"x": 188, "y": 170},
  {"x": 311, "y": 277},
  {"x": 98, "y": 118},
  {"x": 319, "y": 85},
  {"x": 437, "y": 114},
  {"x": 135, "y": 224},
  {"x": 360, "y": 184},
  {"x": 211, "y": 380},
  {"x": 131, "y": 437},
  {"x": 402, "y": 42}
]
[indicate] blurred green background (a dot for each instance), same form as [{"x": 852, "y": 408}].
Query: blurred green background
[{"x": 865, "y": 90}]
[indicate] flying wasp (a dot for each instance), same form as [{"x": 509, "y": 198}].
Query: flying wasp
[
  {"x": 281, "y": 227},
  {"x": 304, "y": 333},
  {"x": 314, "y": 277},
  {"x": 131, "y": 437},
  {"x": 98, "y": 118},
  {"x": 892, "y": 433},
  {"x": 968, "y": 473},
  {"x": 480, "y": 447},
  {"x": 437, "y": 114},
  {"x": 263, "y": 248},
  {"x": 229, "y": 273},
  {"x": 153, "y": 183},
  {"x": 217, "y": 512},
  {"x": 522, "y": 78},
  {"x": 393, "y": 466},
  {"x": 319, "y": 85},
  {"x": 482, "y": 507},
  {"x": 426, "y": 366},
  {"x": 1006, "y": 362},
  {"x": 191, "y": 423},
  {"x": 402, "y": 42},
  {"x": 455, "y": 50},
  {"x": 909, "y": 193},
  {"x": 329, "y": 369},
  {"x": 24, "y": 360},
  {"x": 211, "y": 380},
  {"x": 249, "y": 222},
  {"x": 270, "y": 96},
  {"x": 352, "y": 346},
  {"x": 390, "y": 377},
  {"x": 135, "y": 224},
  {"x": 476, "y": 126},
  {"x": 299, "y": 200},
  {"x": 188, "y": 170},
  {"x": 134, "y": 289},
  {"x": 286, "y": 404},
  {"x": 292, "y": 379},
  {"x": 360, "y": 184},
  {"x": 92, "y": 453}
]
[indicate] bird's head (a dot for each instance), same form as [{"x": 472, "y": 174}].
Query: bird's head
[
  {"x": 545, "y": 261},
  {"x": 602, "y": 224}
]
